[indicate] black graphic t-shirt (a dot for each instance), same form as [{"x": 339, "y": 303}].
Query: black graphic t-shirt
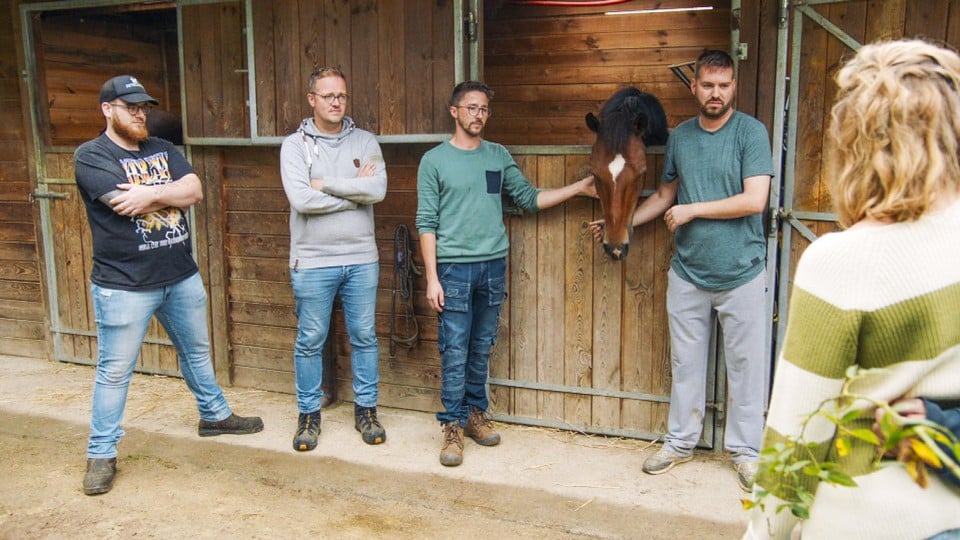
[{"x": 134, "y": 252}]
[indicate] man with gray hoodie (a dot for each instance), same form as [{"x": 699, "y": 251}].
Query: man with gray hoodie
[{"x": 333, "y": 173}]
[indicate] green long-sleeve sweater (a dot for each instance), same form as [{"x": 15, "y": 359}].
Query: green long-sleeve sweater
[
  {"x": 458, "y": 199},
  {"x": 876, "y": 297}
]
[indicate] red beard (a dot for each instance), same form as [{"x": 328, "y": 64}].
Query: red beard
[{"x": 133, "y": 132}]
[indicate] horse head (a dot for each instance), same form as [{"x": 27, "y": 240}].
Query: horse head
[{"x": 629, "y": 121}]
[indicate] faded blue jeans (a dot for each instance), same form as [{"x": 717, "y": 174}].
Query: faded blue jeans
[
  {"x": 473, "y": 294},
  {"x": 122, "y": 318},
  {"x": 314, "y": 290}
]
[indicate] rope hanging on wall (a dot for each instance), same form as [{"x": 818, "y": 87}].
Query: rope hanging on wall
[{"x": 403, "y": 272}]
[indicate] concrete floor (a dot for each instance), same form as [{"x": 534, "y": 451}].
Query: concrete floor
[{"x": 537, "y": 483}]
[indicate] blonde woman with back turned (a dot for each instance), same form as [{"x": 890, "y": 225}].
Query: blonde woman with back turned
[{"x": 884, "y": 293}]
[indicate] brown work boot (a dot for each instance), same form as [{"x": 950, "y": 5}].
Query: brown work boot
[
  {"x": 480, "y": 428},
  {"x": 451, "y": 454}
]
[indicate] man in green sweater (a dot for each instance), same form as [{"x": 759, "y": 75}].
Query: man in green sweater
[{"x": 464, "y": 245}]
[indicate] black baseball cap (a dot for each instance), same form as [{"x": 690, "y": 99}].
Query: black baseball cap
[{"x": 127, "y": 88}]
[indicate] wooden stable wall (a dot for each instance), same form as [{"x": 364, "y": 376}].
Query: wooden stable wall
[
  {"x": 573, "y": 317},
  {"x": 550, "y": 66},
  {"x": 23, "y": 328}
]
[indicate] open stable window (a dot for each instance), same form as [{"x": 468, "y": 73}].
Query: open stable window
[{"x": 76, "y": 50}]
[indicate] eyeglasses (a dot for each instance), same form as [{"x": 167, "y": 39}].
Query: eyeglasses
[
  {"x": 475, "y": 110},
  {"x": 134, "y": 108},
  {"x": 329, "y": 99}
]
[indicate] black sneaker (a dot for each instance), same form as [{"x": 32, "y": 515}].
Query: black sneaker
[
  {"x": 231, "y": 425},
  {"x": 365, "y": 420},
  {"x": 99, "y": 476},
  {"x": 308, "y": 429}
]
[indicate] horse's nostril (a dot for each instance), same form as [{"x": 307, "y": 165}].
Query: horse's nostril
[{"x": 616, "y": 252}]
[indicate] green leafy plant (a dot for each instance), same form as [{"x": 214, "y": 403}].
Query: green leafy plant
[{"x": 917, "y": 443}]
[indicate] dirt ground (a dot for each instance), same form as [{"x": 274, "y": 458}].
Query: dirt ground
[{"x": 173, "y": 484}]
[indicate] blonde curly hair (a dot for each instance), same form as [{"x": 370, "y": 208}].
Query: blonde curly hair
[{"x": 893, "y": 139}]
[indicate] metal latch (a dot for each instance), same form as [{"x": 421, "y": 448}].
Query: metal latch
[{"x": 48, "y": 195}]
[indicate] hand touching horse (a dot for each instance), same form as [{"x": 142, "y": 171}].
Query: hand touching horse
[{"x": 629, "y": 121}]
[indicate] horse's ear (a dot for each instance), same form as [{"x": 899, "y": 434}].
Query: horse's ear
[{"x": 592, "y": 122}]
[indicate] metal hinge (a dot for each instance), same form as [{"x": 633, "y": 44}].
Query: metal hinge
[{"x": 470, "y": 26}]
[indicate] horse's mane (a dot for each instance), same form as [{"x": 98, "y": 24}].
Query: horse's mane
[
  {"x": 631, "y": 113},
  {"x": 618, "y": 122}
]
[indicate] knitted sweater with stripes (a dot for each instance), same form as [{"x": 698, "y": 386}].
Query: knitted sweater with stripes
[{"x": 876, "y": 297}]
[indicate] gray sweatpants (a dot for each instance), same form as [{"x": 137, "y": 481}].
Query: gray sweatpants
[{"x": 743, "y": 319}]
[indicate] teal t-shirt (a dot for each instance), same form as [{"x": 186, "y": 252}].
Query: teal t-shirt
[
  {"x": 718, "y": 254},
  {"x": 458, "y": 199}
]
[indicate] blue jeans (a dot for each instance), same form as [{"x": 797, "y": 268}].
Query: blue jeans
[
  {"x": 122, "y": 319},
  {"x": 472, "y": 293},
  {"x": 314, "y": 290}
]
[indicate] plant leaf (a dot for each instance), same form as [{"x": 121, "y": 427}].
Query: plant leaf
[{"x": 865, "y": 434}]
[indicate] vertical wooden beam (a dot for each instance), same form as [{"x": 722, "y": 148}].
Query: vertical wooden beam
[
  {"x": 551, "y": 246},
  {"x": 577, "y": 306}
]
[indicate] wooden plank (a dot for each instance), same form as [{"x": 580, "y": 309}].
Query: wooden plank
[
  {"x": 509, "y": 11},
  {"x": 639, "y": 39},
  {"x": 598, "y": 57},
  {"x": 273, "y": 223},
  {"x": 15, "y": 212},
  {"x": 442, "y": 33},
  {"x": 193, "y": 29},
  {"x": 523, "y": 283},
  {"x": 561, "y": 74},
  {"x": 18, "y": 251},
  {"x": 365, "y": 64},
  {"x": 266, "y": 82},
  {"x": 26, "y": 311},
  {"x": 601, "y": 24},
  {"x": 810, "y": 129},
  {"x": 927, "y": 20},
  {"x": 233, "y": 115},
  {"x": 19, "y": 271},
  {"x": 657, "y": 374},
  {"x": 209, "y": 231},
  {"x": 551, "y": 247},
  {"x": 291, "y": 97},
  {"x": 607, "y": 326},
  {"x": 418, "y": 112},
  {"x": 885, "y": 20},
  {"x": 28, "y": 348},
  {"x": 577, "y": 307},
  {"x": 19, "y": 290},
  {"x": 501, "y": 397},
  {"x": 953, "y": 26},
  {"x": 393, "y": 86}
]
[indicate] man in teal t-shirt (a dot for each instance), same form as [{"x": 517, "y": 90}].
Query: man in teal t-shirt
[
  {"x": 714, "y": 189},
  {"x": 464, "y": 245}
]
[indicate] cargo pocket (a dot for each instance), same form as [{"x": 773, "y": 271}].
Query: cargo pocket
[{"x": 498, "y": 288}]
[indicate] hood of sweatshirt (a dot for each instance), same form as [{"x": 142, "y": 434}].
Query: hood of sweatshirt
[{"x": 309, "y": 130}]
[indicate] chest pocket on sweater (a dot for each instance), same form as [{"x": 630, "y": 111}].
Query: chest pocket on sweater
[{"x": 494, "y": 181}]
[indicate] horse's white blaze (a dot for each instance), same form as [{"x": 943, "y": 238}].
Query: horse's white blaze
[{"x": 616, "y": 167}]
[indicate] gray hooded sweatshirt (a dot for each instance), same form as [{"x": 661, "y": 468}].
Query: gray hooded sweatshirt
[{"x": 332, "y": 227}]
